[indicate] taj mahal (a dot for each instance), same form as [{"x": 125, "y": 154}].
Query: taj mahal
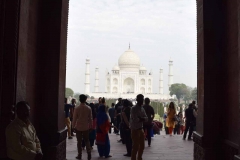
[{"x": 127, "y": 79}]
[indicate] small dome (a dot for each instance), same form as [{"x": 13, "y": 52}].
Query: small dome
[
  {"x": 142, "y": 68},
  {"x": 129, "y": 59},
  {"x": 116, "y": 68}
]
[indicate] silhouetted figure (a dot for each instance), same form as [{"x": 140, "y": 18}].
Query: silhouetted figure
[
  {"x": 177, "y": 124},
  {"x": 73, "y": 102},
  {"x": 98, "y": 104},
  {"x": 126, "y": 127},
  {"x": 118, "y": 108},
  {"x": 149, "y": 124},
  {"x": 67, "y": 108},
  {"x": 195, "y": 115},
  {"x": 111, "y": 112},
  {"x": 138, "y": 116},
  {"x": 189, "y": 122},
  {"x": 21, "y": 138}
]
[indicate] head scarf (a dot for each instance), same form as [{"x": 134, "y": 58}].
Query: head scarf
[{"x": 101, "y": 116}]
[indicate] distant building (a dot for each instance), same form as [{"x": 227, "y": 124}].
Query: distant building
[{"x": 127, "y": 79}]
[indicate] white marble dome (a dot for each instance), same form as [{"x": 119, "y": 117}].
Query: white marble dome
[{"x": 129, "y": 59}]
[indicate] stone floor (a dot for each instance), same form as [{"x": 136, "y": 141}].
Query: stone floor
[{"x": 163, "y": 148}]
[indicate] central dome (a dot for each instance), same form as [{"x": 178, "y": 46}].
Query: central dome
[{"x": 129, "y": 59}]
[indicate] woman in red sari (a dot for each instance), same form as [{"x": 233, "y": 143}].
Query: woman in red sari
[{"x": 103, "y": 125}]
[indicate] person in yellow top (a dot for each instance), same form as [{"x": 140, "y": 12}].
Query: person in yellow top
[
  {"x": 170, "y": 121},
  {"x": 22, "y": 141}
]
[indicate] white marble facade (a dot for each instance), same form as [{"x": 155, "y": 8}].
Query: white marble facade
[{"x": 127, "y": 78}]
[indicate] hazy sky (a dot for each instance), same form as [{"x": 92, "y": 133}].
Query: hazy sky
[{"x": 157, "y": 30}]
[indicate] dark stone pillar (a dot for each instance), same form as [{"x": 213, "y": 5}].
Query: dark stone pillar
[
  {"x": 210, "y": 62},
  {"x": 50, "y": 77},
  {"x": 33, "y": 39},
  {"x": 9, "y": 17},
  {"x": 237, "y": 157},
  {"x": 218, "y": 80}
]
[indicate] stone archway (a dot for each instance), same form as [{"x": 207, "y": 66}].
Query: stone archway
[
  {"x": 142, "y": 81},
  {"x": 142, "y": 89},
  {"x": 149, "y": 90},
  {"x": 128, "y": 85},
  {"x": 115, "y": 81},
  {"x": 32, "y": 45},
  {"x": 115, "y": 90},
  {"x": 149, "y": 82}
]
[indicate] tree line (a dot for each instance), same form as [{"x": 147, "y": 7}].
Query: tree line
[{"x": 183, "y": 92}]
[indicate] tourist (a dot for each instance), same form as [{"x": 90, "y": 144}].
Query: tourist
[
  {"x": 148, "y": 125},
  {"x": 181, "y": 130},
  {"x": 177, "y": 124},
  {"x": 170, "y": 121},
  {"x": 21, "y": 138},
  {"x": 103, "y": 125},
  {"x": 194, "y": 105},
  {"x": 118, "y": 108},
  {"x": 82, "y": 123},
  {"x": 98, "y": 104},
  {"x": 73, "y": 101},
  {"x": 126, "y": 127},
  {"x": 121, "y": 126},
  {"x": 67, "y": 108},
  {"x": 92, "y": 134},
  {"x": 164, "y": 121},
  {"x": 111, "y": 112},
  {"x": 109, "y": 118},
  {"x": 189, "y": 122},
  {"x": 195, "y": 115},
  {"x": 138, "y": 116}
]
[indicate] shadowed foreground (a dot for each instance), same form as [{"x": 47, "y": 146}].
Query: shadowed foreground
[{"x": 163, "y": 148}]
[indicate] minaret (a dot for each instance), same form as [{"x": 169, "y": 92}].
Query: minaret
[
  {"x": 96, "y": 80},
  {"x": 87, "y": 77},
  {"x": 170, "y": 74},
  {"x": 161, "y": 82}
]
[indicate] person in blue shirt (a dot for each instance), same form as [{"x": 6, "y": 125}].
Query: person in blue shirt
[{"x": 67, "y": 108}]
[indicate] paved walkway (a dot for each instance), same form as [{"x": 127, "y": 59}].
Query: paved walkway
[{"x": 163, "y": 148}]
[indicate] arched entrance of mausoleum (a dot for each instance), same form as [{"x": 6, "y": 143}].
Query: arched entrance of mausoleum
[{"x": 128, "y": 85}]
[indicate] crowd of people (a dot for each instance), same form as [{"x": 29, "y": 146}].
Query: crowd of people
[
  {"x": 175, "y": 123},
  {"x": 92, "y": 124}
]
